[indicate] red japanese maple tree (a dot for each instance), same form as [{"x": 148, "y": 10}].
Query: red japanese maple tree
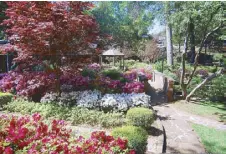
[{"x": 49, "y": 29}]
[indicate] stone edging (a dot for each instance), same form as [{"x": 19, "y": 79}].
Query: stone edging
[{"x": 159, "y": 143}]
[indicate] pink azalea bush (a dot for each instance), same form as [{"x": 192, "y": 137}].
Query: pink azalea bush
[
  {"x": 32, "y": 136},
  {"x": 94, "y": 67},
  {"x": 133, "y": 74},
  {"x": 27, "y": 83},
  {"x": 136, "y": 87},
  {"x": 30, "y": 83}
]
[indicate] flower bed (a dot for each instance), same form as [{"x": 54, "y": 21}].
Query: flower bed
[
  {"x": 29, "y": 84},
  {"x": 95, "y": 100},
  {"x": 32, "y": 135}
]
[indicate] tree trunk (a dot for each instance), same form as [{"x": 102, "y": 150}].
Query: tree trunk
[
  {"x": 179, "y": 47},
  {"x": 204, "y": 82},
  {"x": 169, "y": 44},
  {"x": 182, "y": 84},
  {"x": 56, "y": 63},
  {"x": 192, "y": 40}
]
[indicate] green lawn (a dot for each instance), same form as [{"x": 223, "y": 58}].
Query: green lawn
[
  {"x": 213, "y": 110},
  {"x": 213, "y": 140}
]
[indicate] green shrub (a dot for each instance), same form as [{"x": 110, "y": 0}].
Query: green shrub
[
  {"x": 215, "y": 89},
  {"x": 171, "y": 75},
  {"x": 5, "y": 98},
  {"x": 88, "y": 73},
  {"x": 140, "y": 116},
  {"x": 136, "y": 136},
  {"x": 112, "y": 73},
  {"x": 74, "y": 114},
  {"x": 133, "y": 64}
]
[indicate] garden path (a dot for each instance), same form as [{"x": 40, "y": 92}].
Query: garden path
[{"x": 180, "y": 137}]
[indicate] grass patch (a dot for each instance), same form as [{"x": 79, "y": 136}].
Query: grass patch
[
  {"x": 213, "y": 110},
  {"x": 213, "y": 140}
]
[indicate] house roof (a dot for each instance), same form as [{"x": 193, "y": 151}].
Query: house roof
[{"x": 112, "y": 52}]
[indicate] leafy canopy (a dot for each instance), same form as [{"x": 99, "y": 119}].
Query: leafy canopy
[{"x": 124, "y": 21}]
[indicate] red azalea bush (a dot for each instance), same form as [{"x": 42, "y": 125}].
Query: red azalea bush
[{"x": 31, "y": 135}]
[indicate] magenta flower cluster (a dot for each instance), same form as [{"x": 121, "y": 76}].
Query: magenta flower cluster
[
  {"x": 136, "y": 87},
  {"x": 29, "y": 83},
  {"x": 33, "y": 136}
]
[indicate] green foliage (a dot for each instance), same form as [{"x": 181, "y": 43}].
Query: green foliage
[
  {"x": 204, "y": 15},
  {"x": 171, "y": 75},
  {"x": 194, "y": 82},
  {"x": 141, "y": 117},
  {"x": 88, "y": 73},
  {"x": 112, "y": 73},
  {"x": 5, "y": 98},
  {"x": 125, "y": 21},
  {"x": 139, "y": 65},
  {"x": 74, "y": 114},
  {"x": 216, "y": 88},
  {"x": 217, "y": 56},
  {"x": 133, "y": 64},
  {"x": 158, "y": 66},
  {"x": 214, "y": 140},
  {"x": 136, "y": 136}
]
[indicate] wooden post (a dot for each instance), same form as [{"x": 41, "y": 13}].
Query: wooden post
[
  {"x": 101, "y": 60},
  {"x": 120, "y": 62},
  {"x": 7, "y": 62},
  {"x": 123, "y": 62},
  {"x": 114, "y": 60}
]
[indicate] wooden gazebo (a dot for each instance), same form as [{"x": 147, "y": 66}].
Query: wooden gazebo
[{"x": 113, "y": 53}]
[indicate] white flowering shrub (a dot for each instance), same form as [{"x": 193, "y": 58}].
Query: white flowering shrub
[
  {"x": 49, "y": 97},
  {"x": 89, "y": 99},
  {"x": 66, "y": 98},
  {"x": 123, "y": 101},
  {"x": 94, "y": 99}
]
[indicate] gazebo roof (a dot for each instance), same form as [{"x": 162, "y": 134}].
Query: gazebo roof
[{"x": 112, "y": 52}]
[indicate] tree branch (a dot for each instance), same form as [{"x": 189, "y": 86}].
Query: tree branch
[
  {"x": 204, "y": 82},
  {"x": 209, "y": 34},
  {"x": 200, "y": 49}
]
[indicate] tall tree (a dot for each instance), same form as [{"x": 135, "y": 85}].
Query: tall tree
[
  {"x": 126, "y": 22},
  {"x": 169, "y": 42},
  {"x": 200, "y": 20},
  {"x": 54, "y": 29}
]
